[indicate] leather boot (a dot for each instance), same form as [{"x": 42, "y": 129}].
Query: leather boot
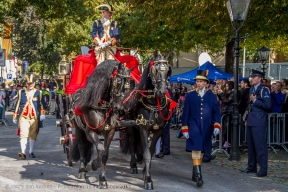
[
  {"x": 194, "y": 174},
  {"x": 198, "y": 175}
]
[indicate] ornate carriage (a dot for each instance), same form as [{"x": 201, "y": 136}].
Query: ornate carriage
[{"x": 81, "y": 68}]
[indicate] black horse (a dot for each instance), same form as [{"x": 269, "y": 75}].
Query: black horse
[
  {"x": 101, "y": 104},
  {"x": 148, "y": 105}
]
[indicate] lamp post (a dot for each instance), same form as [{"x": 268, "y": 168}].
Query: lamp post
[
  {"x": 237, "y": 10},
  {"x": 263, "y": 54}
]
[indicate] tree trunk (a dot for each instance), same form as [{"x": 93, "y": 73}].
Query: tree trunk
[{"x": 229, "y": 57}]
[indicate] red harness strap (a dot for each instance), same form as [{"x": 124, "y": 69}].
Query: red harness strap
[
  {"x": 172, "y": 105},
  {"x": 133, "y": 92},
  {"x": 94, "y": 128}
]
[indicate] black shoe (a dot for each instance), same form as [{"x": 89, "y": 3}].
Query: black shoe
[
  {"x": 198, "y": 175},
  {"x": 247, "y": 171},
  {"x": 32, "y": 155},
  {"x": 160, "y": 155},
  {"x": 206, "y": 160},
  {"x": 213, "y": 157},
  {"x": 166, "y": 153},
  {"x": 22, "y": 156},
  {"x": 261, "y": 175}
]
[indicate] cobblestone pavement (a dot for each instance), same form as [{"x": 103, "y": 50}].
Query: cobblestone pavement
[{"x": 49, "y": 170}]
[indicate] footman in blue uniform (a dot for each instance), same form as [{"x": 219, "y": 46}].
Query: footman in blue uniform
[{"x": 200, "y": 111}]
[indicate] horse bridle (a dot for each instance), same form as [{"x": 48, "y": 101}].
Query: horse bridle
[
  {"x": 125, "y": 84},
  {"x": 162, "y": 65}
]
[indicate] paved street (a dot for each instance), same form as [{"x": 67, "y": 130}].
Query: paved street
[{"x": 50, "y": 172}]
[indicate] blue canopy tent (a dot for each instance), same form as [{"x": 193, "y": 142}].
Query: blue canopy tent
[{"x": 213, "y": 74}]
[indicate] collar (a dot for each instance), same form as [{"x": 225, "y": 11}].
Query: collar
[{"x": 256, "y": 86}]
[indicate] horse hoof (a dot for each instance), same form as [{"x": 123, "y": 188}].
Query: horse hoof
[
  {"x": 103, "y": 185},
  {"x": 148, "y": 185},
  {"x": 134, "y": 170},
  {"x": 82, "y": 175}
]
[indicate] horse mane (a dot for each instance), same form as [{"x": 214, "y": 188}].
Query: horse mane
[
  {"x": 97, "y": 84},
  {"x": 143, "y": 84}
]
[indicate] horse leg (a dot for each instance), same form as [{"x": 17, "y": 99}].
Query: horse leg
[
  {"x": 132, "y": 142},
  {"x": 107, "y": 141},
  {"x": 82, "y": 146},
  {"x": 93, "y": 138},
  {"x": 148, "y": 183},
  {"x": 156, "y": 135}
]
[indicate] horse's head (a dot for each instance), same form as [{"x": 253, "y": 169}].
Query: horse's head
[
  {"x": 120, "y": 85},
  {"x": 160, "y": 71}
]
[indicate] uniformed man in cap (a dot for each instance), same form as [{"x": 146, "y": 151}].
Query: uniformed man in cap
[
  {"x": 201, "y": 110},
  {"x": 256, "y": 124},
  {"x": 105, "y": 34},
  {"x": 30, "y": 109}
]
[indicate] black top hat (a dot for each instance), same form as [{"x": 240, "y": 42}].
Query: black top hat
[
  {"x": 254, "y": 73},
  {"x": 202, "y": 75},
  {"x": 105, "y": 7}
]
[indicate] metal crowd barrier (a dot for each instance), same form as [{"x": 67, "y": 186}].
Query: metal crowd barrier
[
  {"x": 220, "y": 148},
  {"x": 276, "y": 130}
]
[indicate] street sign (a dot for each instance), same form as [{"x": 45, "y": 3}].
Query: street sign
[
  {"x": 9, "y": 77},
  {"x": 2, "y": 57},
  {"x": 9, "y": 80}
]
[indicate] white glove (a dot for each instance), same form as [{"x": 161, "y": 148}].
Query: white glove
[
  {"x": 102, "y": 45},
  {"x": 216, "y": 131},
  {"x": 108, "y": 43},
  {"x": 186, "y": 134},
  {"x": 15, "y": 121},
  {"x": 42, "y": 117}
]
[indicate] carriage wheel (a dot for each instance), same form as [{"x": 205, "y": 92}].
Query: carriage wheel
[{"x": 68, "y": 146}]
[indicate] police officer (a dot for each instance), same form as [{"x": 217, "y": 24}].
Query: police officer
[
  {"x": 256, "y": 123},
  {"x": 201, "y": 109},
  {"x": 105, "y": 33}
]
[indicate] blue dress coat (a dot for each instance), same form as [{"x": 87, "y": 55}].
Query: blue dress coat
[
  {"x": 98, "y": 29},
  {"x": 199, "y": 114},
  {"x": 38, "y": 102}
]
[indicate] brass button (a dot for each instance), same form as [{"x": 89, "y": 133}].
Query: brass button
[
  {"x": 201, "y": 99},
  {"x": 201, "y": 103},
  {"x": 201, "y": 108},
  {"x": 201, "y": 117},
  {"x": 201, "y": 113}
]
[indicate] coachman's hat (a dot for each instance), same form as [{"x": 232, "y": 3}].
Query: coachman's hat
[
  {"x": 202, "y": 75},
  {"x": 29, "y": 80},
  {"x": 254, "y": 73},
  {"x": 105, "y": 7}
]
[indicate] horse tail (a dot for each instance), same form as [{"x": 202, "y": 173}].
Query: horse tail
[
  {"x": 124, "y": 146},
  {"x": 75, "y": 153},
  {"x": 132, "y": 139}
]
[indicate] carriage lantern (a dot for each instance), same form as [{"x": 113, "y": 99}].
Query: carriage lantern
[{"x": 63, "y": 66}]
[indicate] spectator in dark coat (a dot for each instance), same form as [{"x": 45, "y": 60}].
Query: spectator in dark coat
[
  {"x": 244, "y": 99},
  {"x": 226, "y": 98},
  {"x": 277, "y": 99}
]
